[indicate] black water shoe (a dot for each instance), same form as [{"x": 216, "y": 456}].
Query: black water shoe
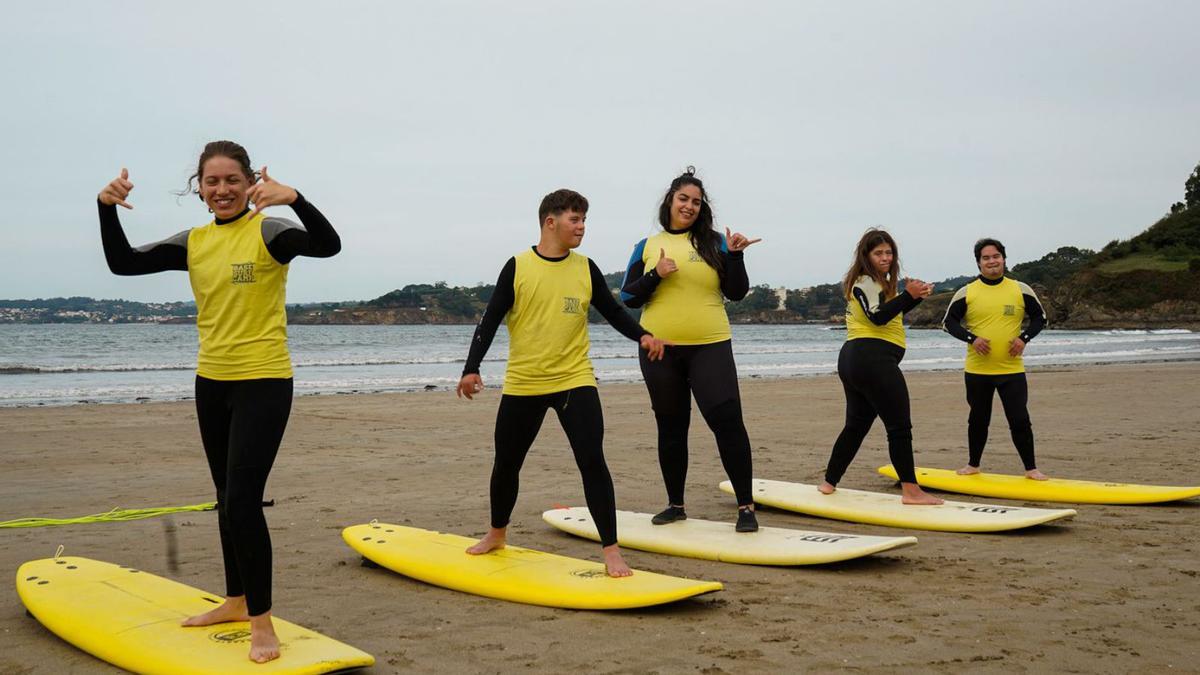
[
  {"x": 669, "y": 515},
  {"x": 746, "y": 521}
]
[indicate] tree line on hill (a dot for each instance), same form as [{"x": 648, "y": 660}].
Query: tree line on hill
[{"x": 1151, "y": 279}]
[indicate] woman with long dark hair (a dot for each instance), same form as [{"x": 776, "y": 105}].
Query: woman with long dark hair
[
  {"x": 237, "y": 264},
  {"x": 869, "y": 363},
  {"x": 681, "y": 276}
]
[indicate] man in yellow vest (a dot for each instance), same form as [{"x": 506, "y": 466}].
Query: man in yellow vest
[
  {"x": 987, "y": 314},
  {"x": 545, "y": 292}
]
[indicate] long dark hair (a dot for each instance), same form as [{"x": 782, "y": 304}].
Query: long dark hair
[
  {"x": 219, "y": 149},
  {"x": 704, "y": 238},
  {"x": 862, "y": 263}
]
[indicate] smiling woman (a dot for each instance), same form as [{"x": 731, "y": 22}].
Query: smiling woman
[
  {"x": 224, "y": 179},
  {"x": 683, "y": 286},
  {"x": 237, "y": 264}
]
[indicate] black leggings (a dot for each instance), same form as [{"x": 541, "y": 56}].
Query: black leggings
[
  {"x": 517, "y": 424},
  {"x": 708, "y": 373},
  {"x": 870, "y": 372},
  {"x": 241, "y": 425},
  {"x": 1014, "y": 395}
]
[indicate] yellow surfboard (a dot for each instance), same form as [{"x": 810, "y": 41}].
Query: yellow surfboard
[
  {"x": 709, "y": 540},
  {"x": 130, "y": 618},
  {"x": 1052, "y": 490},
  {"x": 513, "y": 573},
  {"x": 876, "y": 508}
]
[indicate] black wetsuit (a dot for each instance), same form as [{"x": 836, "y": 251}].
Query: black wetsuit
[
  {"x": 982, "y": 387},
  {"x": 869, "y": 368},
  {"x": 241, "y": 421},
  {"x": 519, "y": 417},
  {"x": 705, "y": 371}
]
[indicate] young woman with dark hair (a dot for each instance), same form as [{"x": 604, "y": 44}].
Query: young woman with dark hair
[
  {"x": 869, "y": 363},
  {"x": 681, "y": 276},
  {"x": 237, "y": 264}
]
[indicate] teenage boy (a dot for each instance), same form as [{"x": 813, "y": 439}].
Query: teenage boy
[
  {"x": 987, "y": 314},
  {"x": 545, "y": 293}
]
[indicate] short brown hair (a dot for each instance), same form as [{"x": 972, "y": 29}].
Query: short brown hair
[{"x": 561, "y": 200}]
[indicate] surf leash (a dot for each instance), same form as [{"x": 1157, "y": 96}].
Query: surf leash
[{"x": 116, "y": 515}]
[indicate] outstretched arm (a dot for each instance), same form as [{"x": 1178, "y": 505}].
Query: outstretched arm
[
  {"x": 499, "y": 304},
  {"x": 286, "y": 240},
  {"x": 735, "y": 283},
  {"x": 879, "y": 312},
  {"x": 613, "y": 313},
  {"x": 123, "y": 259}
]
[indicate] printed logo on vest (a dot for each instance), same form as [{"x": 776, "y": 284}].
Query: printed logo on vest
[
  {"x": 243, "y": 273},
  {"x": 1010, "y": 310},
  {"x": 694, "y": 256},
  {"x": 572, "y": 306}
]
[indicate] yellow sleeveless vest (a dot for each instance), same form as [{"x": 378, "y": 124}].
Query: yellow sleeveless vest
[
  {"x": 240, "y": 295},
  {"x": 547, "y": 326}
]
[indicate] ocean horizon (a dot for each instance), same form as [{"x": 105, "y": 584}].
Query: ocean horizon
[{"x": 69, "y": 364}]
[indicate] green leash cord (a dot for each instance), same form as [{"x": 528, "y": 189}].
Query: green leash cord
[{"x": 116, "y": 515}]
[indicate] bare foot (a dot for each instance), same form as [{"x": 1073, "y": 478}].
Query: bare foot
[
  {"x": 911, "y": 493},
  {"x": 825, "y": 488},
  {"x": 1034, "y": 474},
  {"x": 233, "y": 609},
  {"x": 492, "y": 541},
  {"x": 264, "y": 645},
  {"x": 614, "y": 563},
  {"x": 968, "y": 470}
]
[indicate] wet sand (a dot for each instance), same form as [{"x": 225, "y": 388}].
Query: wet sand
[{"x": 1115, "y": 590}]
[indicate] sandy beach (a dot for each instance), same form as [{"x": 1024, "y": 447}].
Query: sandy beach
[{"x": 1115, "y": 590}]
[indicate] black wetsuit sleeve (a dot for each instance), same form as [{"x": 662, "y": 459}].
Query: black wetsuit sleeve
[
  {"x": 886, "y": 311},
  {"x": 501, "y": 301},
  {"x": 318, "y": 239},
  {"x": 952, "y": 323},
  {"x": 638, "y": 290},
  {"x": 123, "y": 259},
  {"x": 1036, "y": 315},
  {"x": 613, "y": 313},
  {"x": 735, "y": 284}
]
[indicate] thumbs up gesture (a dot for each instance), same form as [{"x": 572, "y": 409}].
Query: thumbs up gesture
[
  {"x": 115, "y": 192},
  {"x": 666, "y": 266},
  {"x": 269, "y": 192}
]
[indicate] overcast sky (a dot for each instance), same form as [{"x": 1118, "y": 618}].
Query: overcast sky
[{"x": 428, "y": 132}]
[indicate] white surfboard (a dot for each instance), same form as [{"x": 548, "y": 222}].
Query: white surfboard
[
  {"x": 709, "y": 540},
  {"x": 876, "y": 508}
]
